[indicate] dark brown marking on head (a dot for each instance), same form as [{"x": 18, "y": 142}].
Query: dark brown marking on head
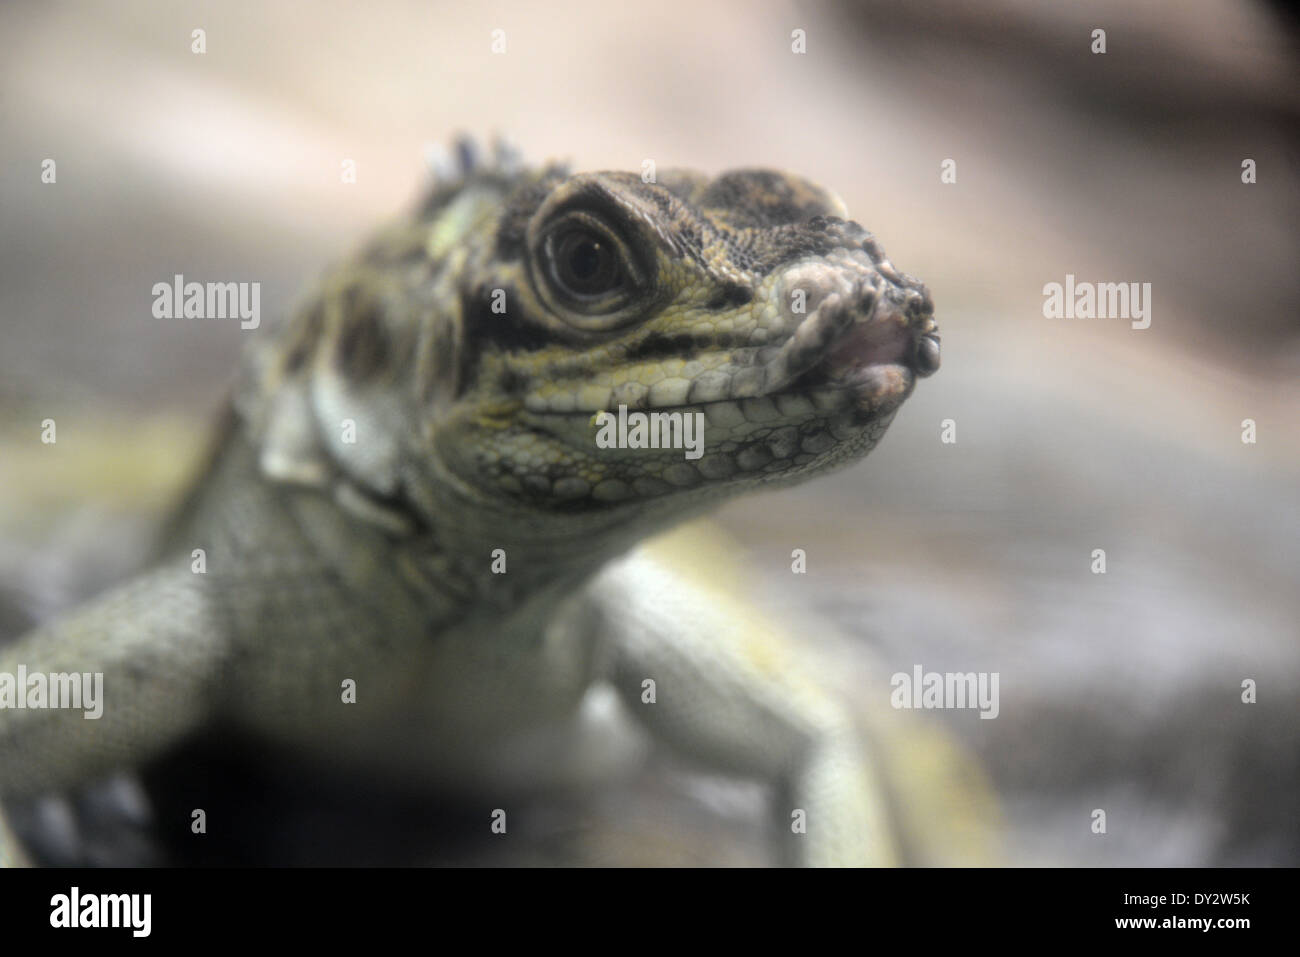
[
  {"x": 513, "y": 383},
  {"x": 659, "y": 346},
  {"x": 506, "y": 331},
  {"x": 446, "y": 370},
  {"x": 364, "y": 346},
  {"x": 305, "y": 336},
  {"x": 731, "y": 296},
  {"x": 760, "y": 197}
]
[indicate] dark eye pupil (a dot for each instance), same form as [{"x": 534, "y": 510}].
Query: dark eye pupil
[
  {"x": 586, "y": 264},
  {"x": 585, "y": 259}
]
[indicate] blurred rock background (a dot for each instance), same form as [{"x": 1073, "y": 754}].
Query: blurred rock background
[{"x": 1120, "y": 692}]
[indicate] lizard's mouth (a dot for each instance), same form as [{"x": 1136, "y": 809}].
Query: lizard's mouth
[
  {"x": 853, "y": 358},
  {"x": 864, "y": 350},
  {"x": 882, "y": 342}
]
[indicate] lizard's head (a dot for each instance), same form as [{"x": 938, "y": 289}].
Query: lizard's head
[
  {"x": 547, "y": 335},
  {"x": 746, "y": 304}
]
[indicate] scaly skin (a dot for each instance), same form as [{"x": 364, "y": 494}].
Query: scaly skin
[{"x": 430, "y": 412}]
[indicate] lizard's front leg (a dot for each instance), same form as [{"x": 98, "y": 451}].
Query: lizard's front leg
[
  {"x": 158, "y": 646},
  {"x": 729, "y": 692}
]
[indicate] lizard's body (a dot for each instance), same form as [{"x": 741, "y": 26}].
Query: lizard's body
[{"x": 377, "y": 560}]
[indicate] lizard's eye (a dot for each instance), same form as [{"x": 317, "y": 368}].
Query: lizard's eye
[
  {"x": 585, "y": 263},
  {"x": 590, "y": 271}
]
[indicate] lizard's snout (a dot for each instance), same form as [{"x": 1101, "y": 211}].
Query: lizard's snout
[
  {"x": 860, "y": 324},
  {"x": 927, "y": 354},
  {"x": 893, "y": 327},
  {"x": 906, "y": 313},
  {"x": 919, "y": 318}
]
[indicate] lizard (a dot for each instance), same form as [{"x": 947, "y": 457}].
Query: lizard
[{"x": 406, "y": 497}]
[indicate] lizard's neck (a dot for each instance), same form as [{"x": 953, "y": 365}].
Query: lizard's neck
[{"x": 491, "y": 556}]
